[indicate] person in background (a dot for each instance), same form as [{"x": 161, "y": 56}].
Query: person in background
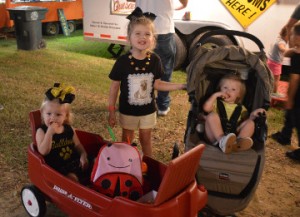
[
  {"x": 284, "y": 136},
  {"x": 136, "y": 75},
  {"x": 293, "y": 102},
  {"x": 56, "y": 138},
  {"x": 275, "y": 59},
  {"x": 165, "y": 41}
]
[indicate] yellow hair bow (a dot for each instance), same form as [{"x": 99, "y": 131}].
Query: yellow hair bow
[{"x": 65, "y": 94}]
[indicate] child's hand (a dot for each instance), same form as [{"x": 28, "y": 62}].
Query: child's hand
[
  {"x": 84, "y": 163},
  {"x": 257, "y": 112},
  {"x": 53, "y": 128},
  {"x": 221, "y": 95},
  {"x": 112, "y": 120}
]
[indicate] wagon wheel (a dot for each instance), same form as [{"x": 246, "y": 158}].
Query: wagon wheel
[{"x": 33, "y": 201}]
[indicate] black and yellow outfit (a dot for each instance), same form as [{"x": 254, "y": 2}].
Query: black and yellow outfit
[
  {"x": 231, "y": 115},
  {"x": 63, "y": 156}
]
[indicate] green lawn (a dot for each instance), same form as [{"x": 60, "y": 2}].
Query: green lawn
[{"x": 26, "y": 75}]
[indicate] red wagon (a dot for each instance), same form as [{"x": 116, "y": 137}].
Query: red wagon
[{"x": 178, "y": 194}]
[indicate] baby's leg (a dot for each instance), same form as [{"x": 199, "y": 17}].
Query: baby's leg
[
  {"x": 213, "y": 127},
  {"x": 246, "y": 129},
  {"x": 215, "y": 133}
]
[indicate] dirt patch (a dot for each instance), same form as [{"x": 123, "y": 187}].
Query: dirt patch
[{"x": 277, "y": 194}]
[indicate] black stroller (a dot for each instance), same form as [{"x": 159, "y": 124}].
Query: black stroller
[{"x": 231, "y": 179}]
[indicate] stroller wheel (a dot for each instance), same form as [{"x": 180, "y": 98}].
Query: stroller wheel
[
  {"x": 175, "y": 153},
  {"x": 33, "y": 201},
  {"x": 207, "y": 212}
]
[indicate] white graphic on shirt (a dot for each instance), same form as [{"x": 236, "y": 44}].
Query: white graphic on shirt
[{"x": 140, "y": 88}]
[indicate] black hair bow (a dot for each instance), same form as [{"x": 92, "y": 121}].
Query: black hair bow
[
  {"x": 139, "y": 13},
  {"x": 65, "y": 94}
]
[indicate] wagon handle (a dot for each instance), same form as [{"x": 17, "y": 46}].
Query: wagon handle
[{"x": 206, "y": 35}]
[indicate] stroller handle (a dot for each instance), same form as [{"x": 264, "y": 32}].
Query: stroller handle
[{"x": 206, "y": 35}]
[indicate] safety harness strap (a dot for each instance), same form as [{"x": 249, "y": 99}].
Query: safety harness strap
[{"x": 229, "y": 126}]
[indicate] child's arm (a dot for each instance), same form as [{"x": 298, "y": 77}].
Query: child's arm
[
  {"x": 112, "y": 99},
  {"x": 208, "y": 106},
  {"x": 44, "y": 140},
  {"x": 168, "y": 86},
  {"x": 282, "y": 47},
  {"x": 80, "y": 149}
]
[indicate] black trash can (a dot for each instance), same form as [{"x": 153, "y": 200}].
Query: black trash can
[{"x": 28, "y": 26}]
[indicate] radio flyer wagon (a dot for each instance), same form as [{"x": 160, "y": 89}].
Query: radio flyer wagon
[{"x": 177, "y": 193}]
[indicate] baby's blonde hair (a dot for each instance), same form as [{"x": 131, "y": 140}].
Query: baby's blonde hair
[{"x": 67, "y": 107}]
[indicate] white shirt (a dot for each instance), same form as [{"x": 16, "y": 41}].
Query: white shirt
[{"x": 164, "y": 10}]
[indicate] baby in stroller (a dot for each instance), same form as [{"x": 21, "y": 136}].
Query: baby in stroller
[
  {"x": 230, "y": 179},
  {"x": 228, "y": 124}
]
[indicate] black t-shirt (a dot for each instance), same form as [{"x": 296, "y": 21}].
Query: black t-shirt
[
  {"x": 63, "y": 155},
  {"x": 137, "y": 86},
  {"x": 295, "y": 69}
]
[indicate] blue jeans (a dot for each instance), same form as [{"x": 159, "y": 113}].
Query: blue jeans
[{"x": 166, "y": 50}]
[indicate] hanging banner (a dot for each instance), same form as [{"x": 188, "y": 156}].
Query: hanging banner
[{"x": 246, "y": 11}]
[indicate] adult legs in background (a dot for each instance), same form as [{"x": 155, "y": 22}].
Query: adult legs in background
[
  {"x": 166, "y": 49},
  {"x": 284, "y": 137},
  {"x": 295, "y": 155}
]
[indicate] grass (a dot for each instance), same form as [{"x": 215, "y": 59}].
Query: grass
[{"x": 26, "y": 75}]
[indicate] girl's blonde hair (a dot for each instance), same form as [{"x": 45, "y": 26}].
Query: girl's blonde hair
[
  {"x": 141, "y": 21},
  {"x": 235, "y": 77},
  {"x": 67, "y": 107}
]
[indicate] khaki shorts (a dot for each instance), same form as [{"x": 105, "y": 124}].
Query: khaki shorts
[{"x": 130, "y": 122}]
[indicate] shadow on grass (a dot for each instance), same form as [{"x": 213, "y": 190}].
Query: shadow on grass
[{"x": 76, "y": 43}]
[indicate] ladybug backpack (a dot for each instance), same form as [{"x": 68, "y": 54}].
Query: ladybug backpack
[{"x": 117, "y": 171}]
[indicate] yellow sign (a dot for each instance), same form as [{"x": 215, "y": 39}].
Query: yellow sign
[{"x": 246, "y": 11}]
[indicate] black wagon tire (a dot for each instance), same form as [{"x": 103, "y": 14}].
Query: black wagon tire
[
  {"x": 181, "y": 52},
  {"x": 51, "y": 28},
  {"x": 33, "y": 201}
]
